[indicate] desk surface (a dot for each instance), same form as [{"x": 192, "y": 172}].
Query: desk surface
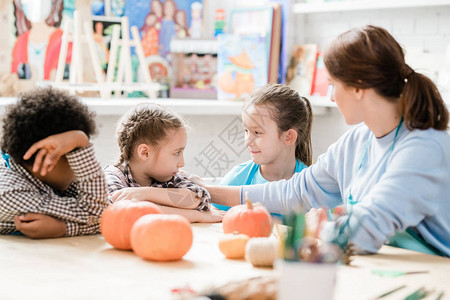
[{"x": 89, "y": 268}]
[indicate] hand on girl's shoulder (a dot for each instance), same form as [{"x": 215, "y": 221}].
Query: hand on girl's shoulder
[{"x": 192, "y": 177}]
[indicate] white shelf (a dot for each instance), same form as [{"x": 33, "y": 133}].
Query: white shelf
[
  {"x": 190, "y": 45},
  {"x": 318, "y": 7},
  {"x": 118, "y": 106},
  {"x": 181, "y": 106},
  {"x": 112, "y": 19}
]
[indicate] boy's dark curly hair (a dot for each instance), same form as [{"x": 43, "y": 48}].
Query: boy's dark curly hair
[{"x": 38, "y": 114}]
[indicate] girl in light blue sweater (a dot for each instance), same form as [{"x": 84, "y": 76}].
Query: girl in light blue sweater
[
  {"x": 277, "y": 125},
  {"x": 393, "y": 170}
]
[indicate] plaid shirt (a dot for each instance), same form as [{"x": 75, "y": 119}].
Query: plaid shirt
[
  {"x": 119, "y": 178},
  {"x": 80, "y": 206}
]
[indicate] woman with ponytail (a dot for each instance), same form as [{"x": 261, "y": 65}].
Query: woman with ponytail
[{"x": 392, "y": 170}]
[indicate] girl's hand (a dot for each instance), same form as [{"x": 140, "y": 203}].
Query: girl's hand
[
  {"x": 131, "y": 193},
  {"x": 216, "y": 215},
  {"x": 49, "y": 150},
  {"x": 39, "y": 226}
]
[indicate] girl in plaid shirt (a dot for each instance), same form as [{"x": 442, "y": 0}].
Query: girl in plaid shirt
[
  {"x": 152, "y": 139},
  {"x": 51, "y": 185}
]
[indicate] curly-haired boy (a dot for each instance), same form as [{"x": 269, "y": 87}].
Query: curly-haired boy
[{"x": 51, "y": 185}]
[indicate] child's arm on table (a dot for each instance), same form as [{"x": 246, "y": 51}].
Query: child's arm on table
[
  {"x": 39, "y": 226},
  {"x": 190, "y": 213},
  {"x": 214, "y": 215},
  {"x": 80, "y": 214},
  {"x": 174, "y": 197}
]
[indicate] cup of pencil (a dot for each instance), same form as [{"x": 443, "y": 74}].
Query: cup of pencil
[{"x": 307, "y": 268}]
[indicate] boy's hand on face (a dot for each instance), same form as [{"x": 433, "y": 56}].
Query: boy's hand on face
[
  {"x": 39, "y": 226},
  {"x": 49, "y": 150}
]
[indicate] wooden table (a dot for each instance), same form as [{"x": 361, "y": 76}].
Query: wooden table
[{"x": 89, "y": 268}]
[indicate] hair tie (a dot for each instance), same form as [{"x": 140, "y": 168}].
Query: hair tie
[
  {"x": 6, "y": 158},
  {"x": 407, "y": 71}
]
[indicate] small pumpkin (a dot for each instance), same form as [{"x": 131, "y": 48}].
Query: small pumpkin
[
  {"x": 232, "y": 245},
  {"x": 261, "y": 251},
  {"x": 161, "y": 237},
  {"x": 249, "y": 219},
  {"x": 119, "y": 217}
]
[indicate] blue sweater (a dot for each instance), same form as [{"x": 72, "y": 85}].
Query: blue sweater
[{"x": 408, "y": 187}]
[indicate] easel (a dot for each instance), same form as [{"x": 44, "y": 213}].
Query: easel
[
  {"x": 124, "y": 81},
  {"x": 76, "y": 67},
  {"x": 124, "y": 72}
]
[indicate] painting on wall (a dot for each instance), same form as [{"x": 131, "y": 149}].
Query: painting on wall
[
  {"x": 161, "y": 20},
  {"x": 241, "y": 65},
  {"x": 38, "y": 37},
  {"x": 108, "y": 7},
  {"x": 102, "y": 38}
]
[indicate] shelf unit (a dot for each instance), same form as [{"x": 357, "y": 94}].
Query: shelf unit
[
  {"x": 336, "y": 6},
  {"x": 118, "y": 106},
  {"x": 302, "y": 9}
]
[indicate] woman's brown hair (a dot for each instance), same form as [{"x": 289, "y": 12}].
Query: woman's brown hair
[
  {"x": 146, "y": 123},
  {"x": 290, "y": 111},
  {"x": 369, "y": 57}
]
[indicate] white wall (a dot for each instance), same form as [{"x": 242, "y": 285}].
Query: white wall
[{"x": 423, "y": 32}]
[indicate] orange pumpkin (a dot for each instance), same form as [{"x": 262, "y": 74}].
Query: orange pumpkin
[
  {"x": 249, "y": 219},
  {"x": 161, "y": 237},
  {"x": 232, "y": 245},
  {"x": 119, "y": 217}
]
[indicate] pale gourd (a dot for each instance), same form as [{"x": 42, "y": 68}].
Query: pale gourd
[
  {"x": 232, "y": 245},
  {"x": 262, "y": 251}
]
